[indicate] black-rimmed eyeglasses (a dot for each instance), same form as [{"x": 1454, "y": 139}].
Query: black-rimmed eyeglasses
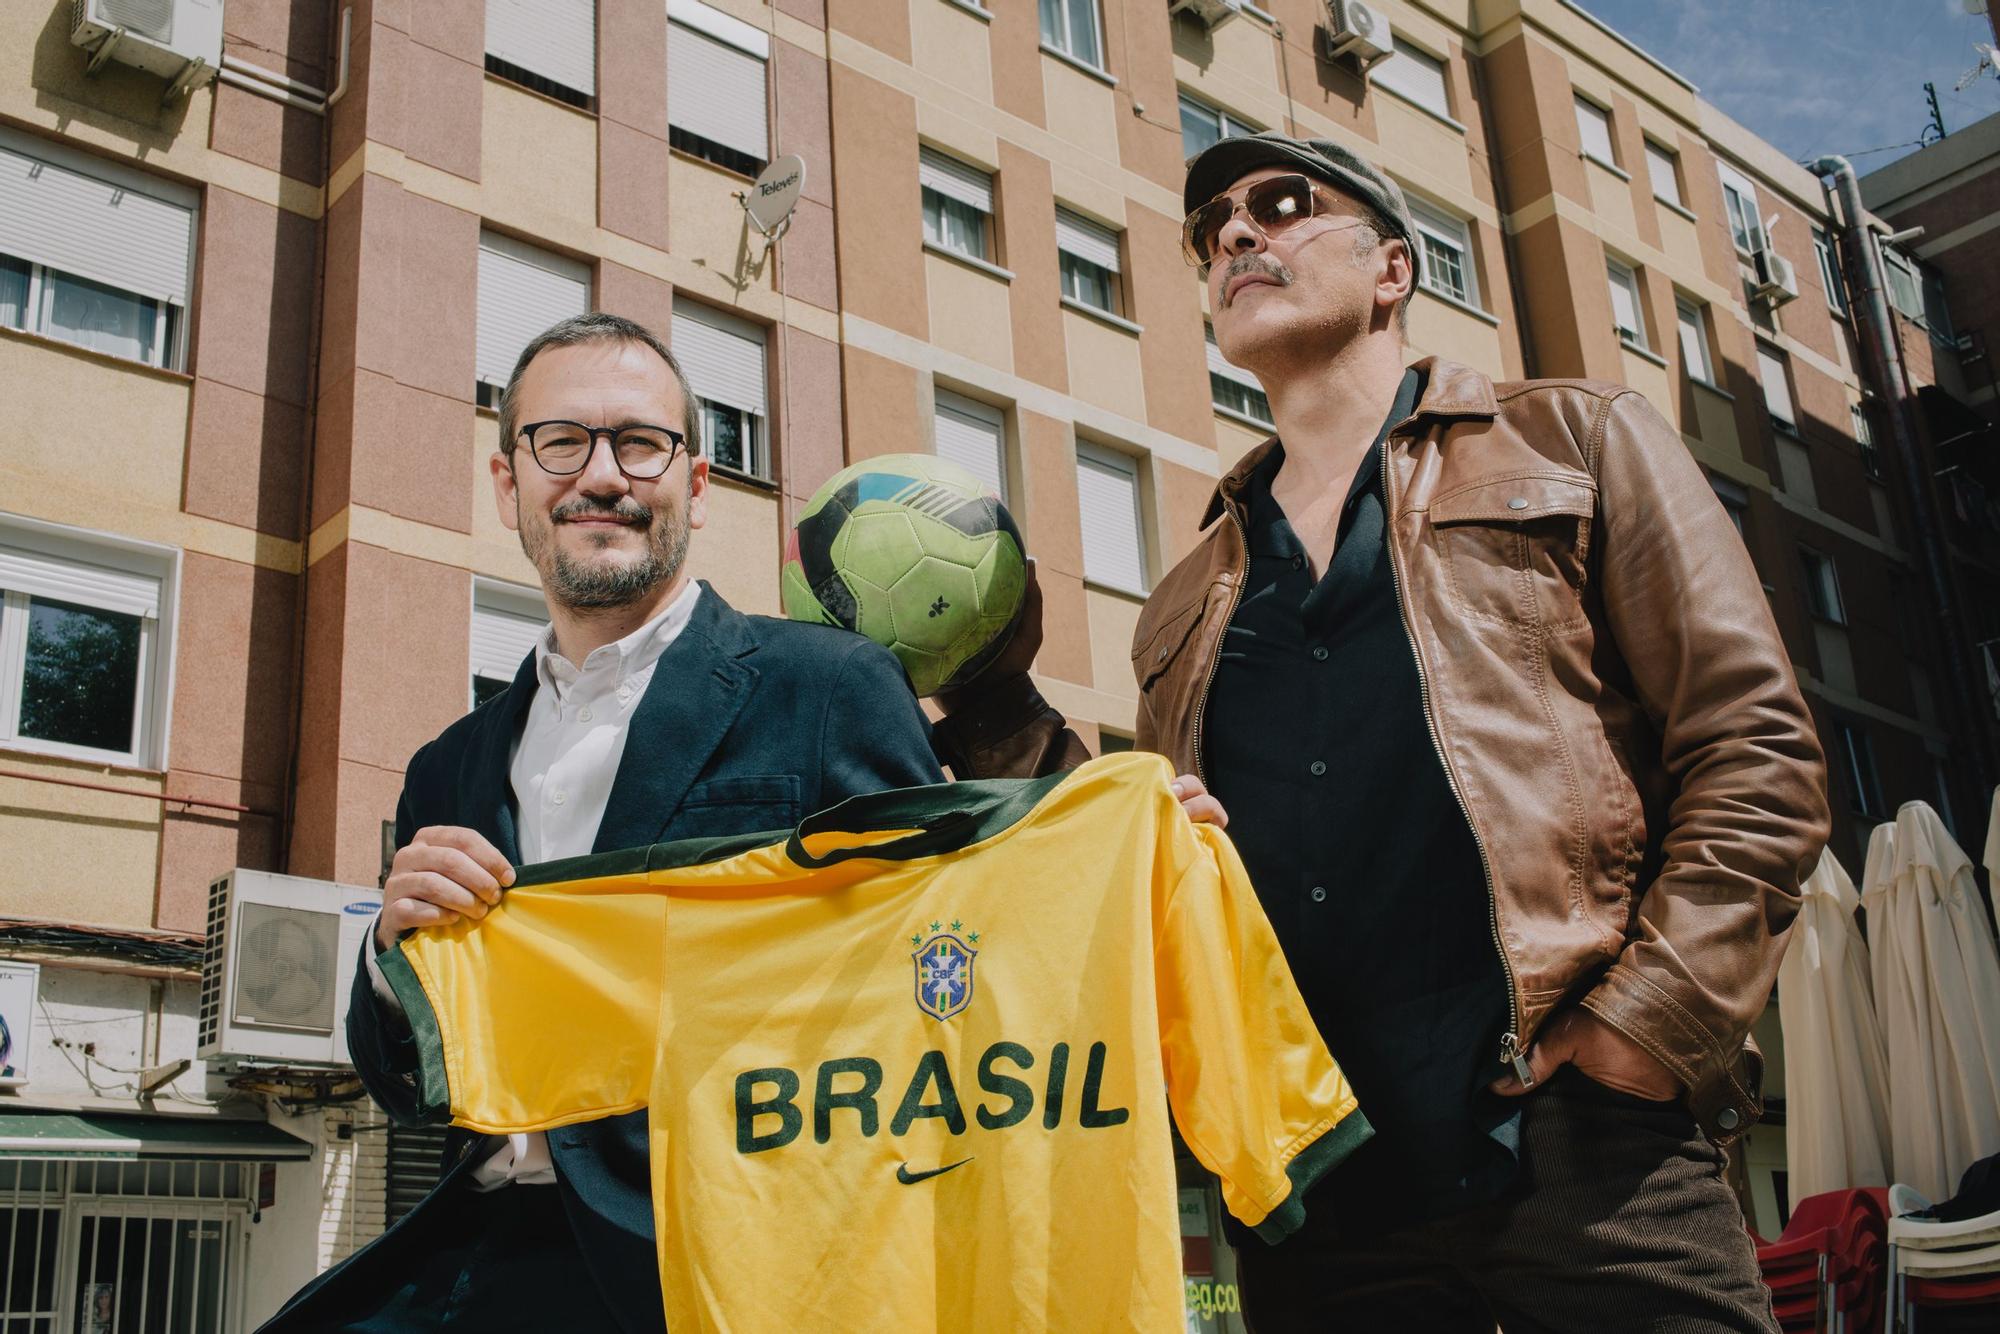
[{"x": 564, "y": 448}]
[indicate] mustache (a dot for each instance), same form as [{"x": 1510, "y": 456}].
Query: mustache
[
  {"x": 1252, "y": 262},
  {"x": 619, "y": 507}
]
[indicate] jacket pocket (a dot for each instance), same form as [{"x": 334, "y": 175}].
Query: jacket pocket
[
  {"x": 1159, "y": 643},
  {"x": 727, "y": 806},
  {"x": 1513, "y": 547}
]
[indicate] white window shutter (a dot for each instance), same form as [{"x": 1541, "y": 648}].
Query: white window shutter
[
  {"x": 94, "y": 226},
  {"x": 973, "y": 435},
  {"x": 522, "y": 291},
  {"x": 1417, "y": 75},
  {"x": 1229, "y": 370},
  {"x": 1593, "y": 126},
  {"x": 41, "y": 576},
  {"x": 1777, "y": 390},
  {"x": 556, "y": 39},
  {"x": 1092, "y": 242},
  {"x": 716, "y": 90},
  {"x": 507, "y": 623},
  {"x": 724, "y": 356},
  {"x": 1660, "y": 164},
  {"x": 954, "y": 179},
  {"x": 1107, "y": 492}
]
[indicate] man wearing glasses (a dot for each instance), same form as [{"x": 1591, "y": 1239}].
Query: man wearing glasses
[
  {"x": 1514, "y": 755},
  {"x": 649, "y": 711}
]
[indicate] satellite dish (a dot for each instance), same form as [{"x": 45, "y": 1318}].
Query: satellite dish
[{"x": 775, "y": 194}]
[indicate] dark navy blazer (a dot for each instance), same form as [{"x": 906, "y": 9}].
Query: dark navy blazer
[{"x": 748, "y": 724}]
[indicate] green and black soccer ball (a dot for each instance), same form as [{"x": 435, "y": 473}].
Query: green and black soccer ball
[{"x": 915, "y": 553}]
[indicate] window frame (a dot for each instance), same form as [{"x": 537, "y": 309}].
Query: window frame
[
  {"x": 1435, "y": 227},
  {"x": 1224, "y": 120},
  {"x": 63, "y": 544},
  {"x": 1821, "y": 576},
  {"x": 1090, "y": 454},
  {"x": 1829, "y": 271},
  {"x": 1735, "y": 500},
  {"x": 1620, "y": 274},
  {"x": 1864, "y": 777},
  {"x": 946, "y": 401},
  {"x": 1059, "y": 43},
  {"x": 498, "y": 598},
  {"x": 1864, "y": 442},
  {"x": 1683, "y": 307},
  {"x": 1659, "y": 156},
  {"x": 1068, "y": 261},
  {"x": 756, "y": 421},
  {"x": 1224, "y": 372},
  {"x": 1609, "y": 158},
  {"x": 1740, "y": 192},
  {"x": 947, "y": 203},
  {"x": 1400, "y": 47},
  {"x": 708, "y": 23},
  {"x": 1767, "y": 358}
]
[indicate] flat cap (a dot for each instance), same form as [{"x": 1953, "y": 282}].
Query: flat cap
[{"x": 1224, "y": 162}]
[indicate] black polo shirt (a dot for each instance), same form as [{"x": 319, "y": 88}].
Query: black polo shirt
[{"x": 1316, "y": 743}]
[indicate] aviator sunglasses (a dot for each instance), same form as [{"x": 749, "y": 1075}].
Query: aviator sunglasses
[{"x": 1274, "y": 206}]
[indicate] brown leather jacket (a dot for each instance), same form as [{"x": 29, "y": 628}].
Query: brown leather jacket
[{"x": 1607, "y": 691}]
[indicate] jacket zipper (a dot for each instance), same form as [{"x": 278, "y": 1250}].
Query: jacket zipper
[
  {"x": 1215, "y": 660},
  {"x": 1511, "y": 1050}
]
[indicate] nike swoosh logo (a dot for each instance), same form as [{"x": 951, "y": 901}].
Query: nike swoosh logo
[{"x": 909, "y": 1178}]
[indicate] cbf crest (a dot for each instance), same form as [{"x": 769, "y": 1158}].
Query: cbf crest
[{"x": 943, "y": 961}]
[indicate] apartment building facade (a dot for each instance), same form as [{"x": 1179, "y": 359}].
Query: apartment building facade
[{"x": 278, "y": 309}]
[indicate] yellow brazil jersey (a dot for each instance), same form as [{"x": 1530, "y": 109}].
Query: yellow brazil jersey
[{"x": 910, "y": 1065}]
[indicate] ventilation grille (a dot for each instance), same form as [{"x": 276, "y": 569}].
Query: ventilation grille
[
  {"x": 209, "y": 1018},
  {"x": 145, "y": 18},
  {"x": 285, "y": 968}
]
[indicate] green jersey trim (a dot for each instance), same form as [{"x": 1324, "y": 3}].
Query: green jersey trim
[
  {"x": 1313, "y": 1162},
  {"x": 433, "y": 1087}
]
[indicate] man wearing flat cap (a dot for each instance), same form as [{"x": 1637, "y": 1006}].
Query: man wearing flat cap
[{"x": 1516, "y": 760}]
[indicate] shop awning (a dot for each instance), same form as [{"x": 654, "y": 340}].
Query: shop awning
[{"x": 115, "y": 1138}]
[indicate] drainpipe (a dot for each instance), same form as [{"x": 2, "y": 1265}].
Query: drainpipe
[{"x": 1885, "y": 365}]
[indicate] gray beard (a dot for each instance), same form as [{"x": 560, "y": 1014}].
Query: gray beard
[{"x": 589, "y": 586}]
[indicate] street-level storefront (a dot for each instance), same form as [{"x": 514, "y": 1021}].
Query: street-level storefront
[{"x": 116, "y": 1223}]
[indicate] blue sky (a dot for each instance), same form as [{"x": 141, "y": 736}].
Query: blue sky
[{"x": 1819, "y": 76}]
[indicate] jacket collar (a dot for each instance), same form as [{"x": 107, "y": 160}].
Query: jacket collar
[{"x": 1450, "y": 390}]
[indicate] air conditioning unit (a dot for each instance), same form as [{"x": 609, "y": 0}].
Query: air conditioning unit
[
  {"x": 281, "y": 956},
  {"x": 179, "y": 40},
  {"x": 1355, "y": 31},
  {"x": 1777, "y": 280},
  {"x": 1210, "y": 13}
]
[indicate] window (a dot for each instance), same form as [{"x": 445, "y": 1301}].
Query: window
[
  {"x": 1777, "y": 389},
  {"x": 974, "y": 436},
  {"x": 1904, "y": 293},
  {"x": 1088, "y": 253},
  {"x": 1203, "y": 125},
  {"x": 715, "y": 87},
  {"x": 958, "y": 204},
  {"x": 1735, "y": 502},
  {"x": 1937, "y": 317},
  {"x": 1829, "y": 273},
  {"x": 507, "y": 623},
  {"x": 724, "y": 358},
  {"x": 1666, "y": 180},
  {"x": 1447, "y": 255},
  {"x": 1233, "y": 390},
  {"x": 547, "y": 45},
  {"x": 1822, "y": 585},
  {"x": 522, "y": 291},
  {"x": 1864, "y": 437},
  {"x": 1416, "y": 75},
  {"x": 93, "y": 253},
  {"x": 1593, "y": 128},
  {"x": 1857, "y": 752},
  {"x": 1070, "y": 28},
  {"x": 84, "y": 665},
  {"x": 1739, "y": 201},
  {"x": 1107, "y": 492},
  {"x": 1625, "y": 303},
  {"x": 1694, "y": 340}
]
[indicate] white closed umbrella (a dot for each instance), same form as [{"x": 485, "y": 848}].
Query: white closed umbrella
[
  {"x": 1937, "y": 990},
  {"x": 1836, "y": 1065}
]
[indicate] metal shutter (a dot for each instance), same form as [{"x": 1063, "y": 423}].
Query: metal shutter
[
  {"x": 40, "y": 576},
  {"x": 973, "y": 435},
  {"x": 95, "y": 226},
  {"x": 954, "y": 179},
  {"x": 416, "y": 1161},
  {"x": 1089, "y": 241},
  {"x": 1229, "y": 370},
  {"x": 522, "y": 291},
  {"x": 722, "y": 355},
  {"x": 715, "y": 79},
  {"x": 556, "y": 39},
  {"x": 1417, "y": 75},
  {"x": 507, "y": 623},
  {"x": 1107, "y": 493},
  {"x": 1777, "y": 390}
]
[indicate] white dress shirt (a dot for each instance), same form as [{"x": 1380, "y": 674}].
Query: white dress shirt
[{"x": 563, "y": 766}]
